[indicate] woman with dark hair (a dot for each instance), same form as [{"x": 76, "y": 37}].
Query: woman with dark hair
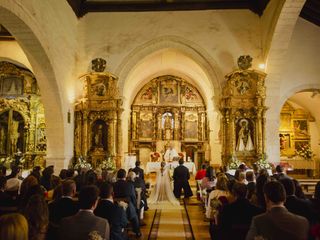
[
  {"x": 46, "y": 180},
  {"x": 299, "y": 192},
  {"x": 208, "y": 182},
  {"x": 258, "y": 198},
  {"x": 37, "y": 214}
]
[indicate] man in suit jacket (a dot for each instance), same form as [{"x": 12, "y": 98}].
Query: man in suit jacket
[
  {"x": 277, "y": 222},
  {"x": 115, "y": 214},
  {"x": 181, "y": 176},
  {"x": 294, "y": 204},
  {"x": 65, "y": 206},
  {"x": 123, "y": 189},
  {"x": 138, "y": 170},
  {"x": 235, "y": 218},
  {"x": 85, "y": 223}
]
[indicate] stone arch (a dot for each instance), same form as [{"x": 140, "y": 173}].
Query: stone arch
[
  {"x": 43, "y": 70},
  {"x": 291, "y": 91},
  {"x": 191, "y": 51},
  {"x": 187, "y": 47}
]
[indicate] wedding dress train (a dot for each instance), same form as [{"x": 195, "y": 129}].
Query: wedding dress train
[{"x": 163, "y": 191}]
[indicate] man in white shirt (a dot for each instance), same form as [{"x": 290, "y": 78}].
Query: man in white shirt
[{"x": 170, "y": 154}]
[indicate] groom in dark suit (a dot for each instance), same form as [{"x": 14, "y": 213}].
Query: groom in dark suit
[{"x": 181, "y": 176}]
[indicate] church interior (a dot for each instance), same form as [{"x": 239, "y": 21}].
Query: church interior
[{"x": 103, "y": 84}]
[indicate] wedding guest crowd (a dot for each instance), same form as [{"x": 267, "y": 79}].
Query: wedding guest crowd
[
  {"x": 258, "y": 206},
  {"x": 88, "y": 205}
]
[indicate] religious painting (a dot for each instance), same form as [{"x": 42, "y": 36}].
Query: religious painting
[
  {"x": 12, "y": 86},
  {"x": 244, "y": 135},
  {"x": 3, "y": 132},
  {"x": 191, "y": 125},
  {"x": 300, "y": 128},
  {"x": 146, "y": 125},
  {"x": 285, "y": 141},
  {"x": 99, "y": 87},
  {"x": 169, "y": 92},
  {"x": 99, "y": 140}
]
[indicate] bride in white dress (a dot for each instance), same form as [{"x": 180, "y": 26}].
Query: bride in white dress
[{"x": 162, "y": 192}]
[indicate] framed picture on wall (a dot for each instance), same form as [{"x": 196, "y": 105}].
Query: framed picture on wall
[{"x": 300, "y": 128}]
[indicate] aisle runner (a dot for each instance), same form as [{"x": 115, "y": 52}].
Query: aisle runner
[{"x": 170, "y": 224}]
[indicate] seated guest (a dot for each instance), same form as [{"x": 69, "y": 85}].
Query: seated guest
[
  {"x": 46, "y": 180},
  {"x": 299, "y": 191},
  {"x": 13, "y": 181},
  {"x": 79, "y": 226},
  {"x": 5, "y": 199},
  {"x": 201, "y": 173},
  {"x": 63, "y": 174},
  {"x": 235, "y": 218},
  {"x": 123, "y": 189},
  {"x": 225, "y": 170},
  {"x": 277, "y": 222},
  {"x": 3, "y": 171},
  {"x": 65, "y": 206},
  {"x": 295, "y": 205},
  {"x": 258, "y": 199},
  {"x": 250, "y": 184},
  {"x": 36, "y": 173},
  {"x": 37, "y": 214},
  {"x": 208, "y": 182},
  {"x": 221, "y": 190},
  {"x": 14, "y": 226},
  {"x": 109, "y": 210},
  {"x": 280, "y": 173},
  {"x": 242, "y": 178}
]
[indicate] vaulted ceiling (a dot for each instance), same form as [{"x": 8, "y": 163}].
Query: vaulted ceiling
[
  {"x": 81, "y": 7},
  {"x": 310, "y": 11}
]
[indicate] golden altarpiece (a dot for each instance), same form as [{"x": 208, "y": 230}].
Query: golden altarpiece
[
  {"x": 169, "y": 111},
  {"x": 294, "y": 129},
  {"x": 22, "y": 121},
  {"x": 243, "y": 114},
  {"x": 97, "y": 134}
]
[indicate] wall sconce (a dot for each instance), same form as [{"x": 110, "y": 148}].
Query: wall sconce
[{"x": 69, "y": 116}]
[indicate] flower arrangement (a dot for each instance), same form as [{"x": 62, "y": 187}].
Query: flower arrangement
[
  {"x": 262, "y": 163},
  {"x": 82, "y": 163},
  {"x": 234, "y": 162},
  {"x": 155, "y": 156},
  {"x": 108, "y": 164},
  {"x": 305, "y": 151},
  {"x": 181, "y": 155}
]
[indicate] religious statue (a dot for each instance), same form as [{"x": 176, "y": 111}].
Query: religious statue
[
  {"x": 14, "y": 136},
  {"x": 98, "y": 136},
  {"x": 2, "y": 140},
  {"x": 167, "y": 121},
  {"x": 244, "y": 142}
]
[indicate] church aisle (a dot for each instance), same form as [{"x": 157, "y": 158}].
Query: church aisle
[{"x": 174, "y": 224}]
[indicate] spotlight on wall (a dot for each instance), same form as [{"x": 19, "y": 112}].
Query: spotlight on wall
[{"x": 262, "y": 66}]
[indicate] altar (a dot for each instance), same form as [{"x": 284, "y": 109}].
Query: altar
[{"x": 154, "y": 166}]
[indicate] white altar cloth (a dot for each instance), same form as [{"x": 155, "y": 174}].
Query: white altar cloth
[{"x": 154, "y": 166}]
